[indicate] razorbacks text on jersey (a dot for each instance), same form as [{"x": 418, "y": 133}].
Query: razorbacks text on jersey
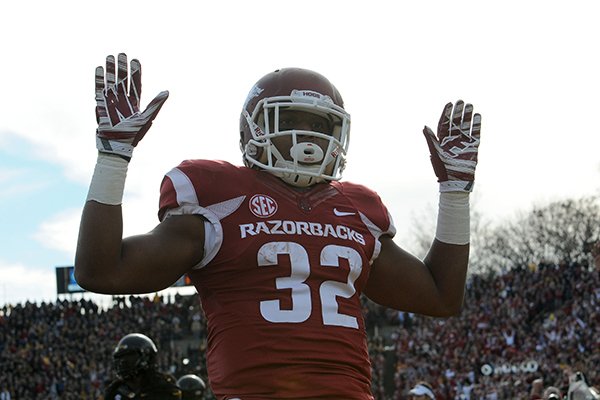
[{"x": 281, "y": 279}]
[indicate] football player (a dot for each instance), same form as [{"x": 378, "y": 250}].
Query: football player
[
  {"x": 280, "y": 249},
  {"x": 192, "y": 387},
  {"x": 134, "y": 360}
]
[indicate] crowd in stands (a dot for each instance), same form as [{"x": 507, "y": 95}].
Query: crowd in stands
[
  {"x": 63, "y": 350},
  {"x": 530, "y": 322},
  {"x": 537, "y": 321}
]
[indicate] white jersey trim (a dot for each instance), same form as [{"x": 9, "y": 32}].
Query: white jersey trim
[
  {"x": 183, "y": 187},
  {"x": 189, "y": 205},
  {"x": 377, "y": 232}
]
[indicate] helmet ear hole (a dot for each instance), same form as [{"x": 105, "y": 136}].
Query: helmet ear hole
[{"x": 252, "y": 151}]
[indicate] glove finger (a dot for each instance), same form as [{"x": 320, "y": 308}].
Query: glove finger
[
  {"x": 475, "y": 136},
  {"x": 444, "y": 123},
  {"x": 149, "y": 114},
  {"x": 155, "y": 105},
  {"x": 99, "y": 82},
  {"x": 465, "y": 125},
  {"x": 101, "y": 115},
  {"x": 114, "y": 109},
  {"x": 99, "y": 89},
  {"x": 135, "y": 90},
  {"x": 430, "y": 138},
  {"x": 110, "y": 71},
  {"x": 476, "y": 129},
  {"x": 122, "y": 80},
  {"x": 438, "y": 165},
  {"x": 457, "y": 116}
]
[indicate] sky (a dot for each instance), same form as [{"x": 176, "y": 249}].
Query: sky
[{"x": 530, "y": 68}]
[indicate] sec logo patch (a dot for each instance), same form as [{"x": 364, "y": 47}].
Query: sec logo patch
[{"x": 262, "y": 206}]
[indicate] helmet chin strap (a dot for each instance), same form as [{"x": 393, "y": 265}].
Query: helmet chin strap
[{"x": 297, "y": 179}]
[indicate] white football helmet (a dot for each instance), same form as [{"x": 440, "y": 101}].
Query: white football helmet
[{"x": 299, "y": 157}]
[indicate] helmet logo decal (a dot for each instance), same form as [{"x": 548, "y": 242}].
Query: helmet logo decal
[
  {"x": 310, "y": 95},
  {"x": 262, "y": 206},
  {"x": 335, "y": 152},
  {"x": 257, "y": 130},
  {"x": 254, "y": 92}
]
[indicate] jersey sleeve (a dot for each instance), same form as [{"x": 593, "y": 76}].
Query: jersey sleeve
[
  {"x": 373, "y": 212},
  {"x": 181, "y": 194}
]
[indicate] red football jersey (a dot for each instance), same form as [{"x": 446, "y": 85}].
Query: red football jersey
[{"x": 281, "y": 279}]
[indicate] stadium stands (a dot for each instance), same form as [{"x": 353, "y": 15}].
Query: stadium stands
[{"x": 534, "y": 321}]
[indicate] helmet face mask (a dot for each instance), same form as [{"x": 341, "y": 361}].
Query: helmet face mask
[
  {"x": 134, "y": 354},
  {"x": 128, "y": 365},
  {"x": 310, "y": 149}
]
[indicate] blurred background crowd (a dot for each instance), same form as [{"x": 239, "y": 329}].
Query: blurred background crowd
[{"x": 537, "y": 321}]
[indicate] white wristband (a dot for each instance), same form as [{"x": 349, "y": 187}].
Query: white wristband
[
  {"x": 453, "y": 224},
  {"x": 108, "y": 181}
]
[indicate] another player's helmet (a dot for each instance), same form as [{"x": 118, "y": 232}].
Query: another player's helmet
[
  {"x": 295, "y": 89},
  {"x": 192, "y": 387},
  {"x": 134, "y": 354}
]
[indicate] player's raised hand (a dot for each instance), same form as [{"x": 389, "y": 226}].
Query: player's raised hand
[
  {"x": 121, "y": 125},
  {"x": 454, "y": 149}
]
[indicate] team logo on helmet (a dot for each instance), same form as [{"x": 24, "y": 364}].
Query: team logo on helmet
[
  {"x": 262, "y": 206},
  {"x": 254, "y": 92},
  {"x": 303, "y": 95}
]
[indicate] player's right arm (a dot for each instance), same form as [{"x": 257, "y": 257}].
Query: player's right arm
[{"x": 104, "y": 261}]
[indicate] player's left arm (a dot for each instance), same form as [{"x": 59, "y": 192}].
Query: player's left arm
[{"x": 435, "y": 286}]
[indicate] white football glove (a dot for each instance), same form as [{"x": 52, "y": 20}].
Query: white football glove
[
  {"x": 454, "y": 149},
  {"x": 120, "y": 124}
]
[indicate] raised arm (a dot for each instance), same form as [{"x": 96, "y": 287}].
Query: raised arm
[
  {"x": 435, "y": 286},
  {"x": 104, "y": 261}
]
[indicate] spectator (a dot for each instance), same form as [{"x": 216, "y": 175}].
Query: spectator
[
  {"x": 579, "y": 388},
  {"x": 422, "y": 390},
  {"x": 538, "y": 391},
  {"x": 552, "y": 393}
]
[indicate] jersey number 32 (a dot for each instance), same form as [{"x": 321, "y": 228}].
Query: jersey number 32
[{"x": 300, "y": 270}]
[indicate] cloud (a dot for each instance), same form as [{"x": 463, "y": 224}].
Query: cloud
[
  {"x": 21, "y": 283},
  {"x": 7, "y": 175},
  {"x": 60, "y": 231},
  {"x": 13, "y": 186}
]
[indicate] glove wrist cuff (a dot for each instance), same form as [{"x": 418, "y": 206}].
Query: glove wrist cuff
[
  {"x": 122, "y": 149},
  {"x": 456, "y": 186},
  {"x": 108, "y": 181},
  {"x": 453, "y": 222}
]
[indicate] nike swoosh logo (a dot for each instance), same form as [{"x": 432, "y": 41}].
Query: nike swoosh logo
[{"x": 342, "y": 213}]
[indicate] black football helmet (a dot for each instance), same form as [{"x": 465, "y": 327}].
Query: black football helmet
[
  {"x": 192, "y": 387},
  {"x": 134, "y": 354}
]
